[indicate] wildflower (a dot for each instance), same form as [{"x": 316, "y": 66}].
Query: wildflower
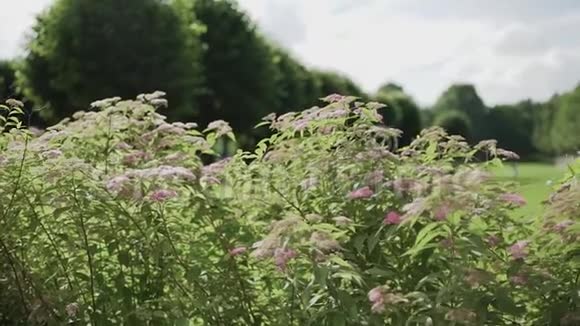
[
  {"x": 14, "y": 103},
  {"x": 215, "y": 167},
  {"x": 333, "y": 98},
  {"x": 159, "y": 103},
  {"x": 134, "y": 158},
  {"x": 309, "y": 183},
  {"x": 376, "y": 297},
  {"x": 415, "y": 208},
  {"x": 72, "y": 309},
  {"x": 514, "y": 199},
  {"x": 403, "y": 185},
  {"x": 314, "y": 218},
  {"x": 163, "y": 172},
  {"x": 331, "y": 114},
  {"x": 123, "y": 145},
  {"x": 162, "y": 195},
  {"x": 52, "y": 154},
  {"x": 507, "y": 154},
  {"x": 342, "y": 220},
  {"x": 375, "y": 105},
  {"x": 174, "y": 157},
  {"x": 282, "y": 256},
  {"x": 375, "y": 177},
  {"x": 364, "y": 192},
  {"x": 220, "y": 127},
  {"x": 393, "y": 218},
  {"x": 461, "y": 315},
  {"x": 265, "y": 248},
  {"x": 101, "y": 104},
  {"x": 117, "y": 184},
  {"x": 237, "y": 251},
  {"x": 300, "y": 125},
  {"x": 324, "y": 242},
  {"x": 519, "y": 249},
  {"x": 562, "y": 226},
  {"x": 380, "y": 298},
  {"x": 442, "y": 212},
  {"x": 270, "y": 117}
]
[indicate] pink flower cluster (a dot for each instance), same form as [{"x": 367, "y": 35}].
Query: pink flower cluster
[
  {"x": 162, "y": 195},
  {"x": 164, "y": 172},
  {"x": 220, "y": 127},
  {"x": 519, "y": 250},
  {"x": 513, "y": 199},
  {"x": 393, "y": 218},
  {"x": 282, "y": 256},
  {"x": 441, "y": 212},
  {"x": 361, "y": 193},
  {"x": 380, "y": 298},
  {"x": 237, "y": 251}
]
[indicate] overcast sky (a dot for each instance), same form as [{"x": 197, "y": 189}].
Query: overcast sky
[{"x": 510, "y": 49}]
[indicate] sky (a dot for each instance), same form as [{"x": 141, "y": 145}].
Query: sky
[{"x": 509, "y": 49}]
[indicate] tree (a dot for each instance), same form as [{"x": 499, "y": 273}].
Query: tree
[
  {"x": 543, "y": 123},
  {"x": 85, "y": 50},
  {"x": 7, "y": 81},
  {"x": 512, "y": 127},
  {"x": 401, "y": 111},
  {"x": 464, "y": 98},
  {"x": 240, "y": 72},
  {"x": 297, "y": 87},
  {"x": 332, "y": 82},
  {"x": 454, "y": 122},
  {"x": 566, "y": 128}
]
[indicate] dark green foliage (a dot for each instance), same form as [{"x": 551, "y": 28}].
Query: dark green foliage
[
  {"x": 401, "y": 111},
  {"x": 455, "y": 123},
  {"x": 240, "y": 73},
  {"x": 7, "y": 79},
  {"x": 512, "y": 126},
  {"x": 566, "y": 127},
  {"x": 464, "y": 98},
  {"x": 297, "y": 87},
  {"x": 543, "y": 121},
  {"x": 84, "y": 50},
  {"x": 332, "y": 82}
]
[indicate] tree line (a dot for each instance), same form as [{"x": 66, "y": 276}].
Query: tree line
[{"x": 215, "y": 64}]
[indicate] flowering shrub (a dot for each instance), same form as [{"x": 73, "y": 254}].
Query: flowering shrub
[{"x": 110, "y": 217}]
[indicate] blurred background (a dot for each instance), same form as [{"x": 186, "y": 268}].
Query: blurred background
[{"x": 507, "y": 70}]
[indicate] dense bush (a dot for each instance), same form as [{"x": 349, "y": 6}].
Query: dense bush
[
  {"x": 110, "y": 218},
  {"x": 401, "y": 111},
  {"x": 84, "y": 50},
  {"x": 463, "y": 98},
  {"x": 455, "y": 123}
]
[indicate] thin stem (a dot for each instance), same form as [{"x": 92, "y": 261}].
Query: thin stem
[
  {"x": 87, "y": 251},
  {"x": 15, "y": 271},
  {"x": 52, "y": 242},
  {"x": 288, "y": 200}
]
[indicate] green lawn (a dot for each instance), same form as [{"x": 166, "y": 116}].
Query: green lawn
[{"x": 533, "y": 182}]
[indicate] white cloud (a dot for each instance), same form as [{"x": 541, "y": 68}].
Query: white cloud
[
  {"x": 510, "y": 49},
  {"x": 16, "y": 18}
]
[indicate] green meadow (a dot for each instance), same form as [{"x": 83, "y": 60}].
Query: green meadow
[{"x": 534, "y": 181}]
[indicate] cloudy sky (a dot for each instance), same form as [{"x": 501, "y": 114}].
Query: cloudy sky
[{"x": 510, "y": 49}]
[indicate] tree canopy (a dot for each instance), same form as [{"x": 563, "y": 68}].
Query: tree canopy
[
  {"x": 85, "y": 50},
  {"x": 464, "y": 98}
]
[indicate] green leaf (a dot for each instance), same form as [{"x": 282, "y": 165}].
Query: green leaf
[
  {"x": 424, "y": 236},
  {"x": 336, "y": 318}
]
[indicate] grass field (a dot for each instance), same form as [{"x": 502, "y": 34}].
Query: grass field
[{"x": 533, "y": 181}]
